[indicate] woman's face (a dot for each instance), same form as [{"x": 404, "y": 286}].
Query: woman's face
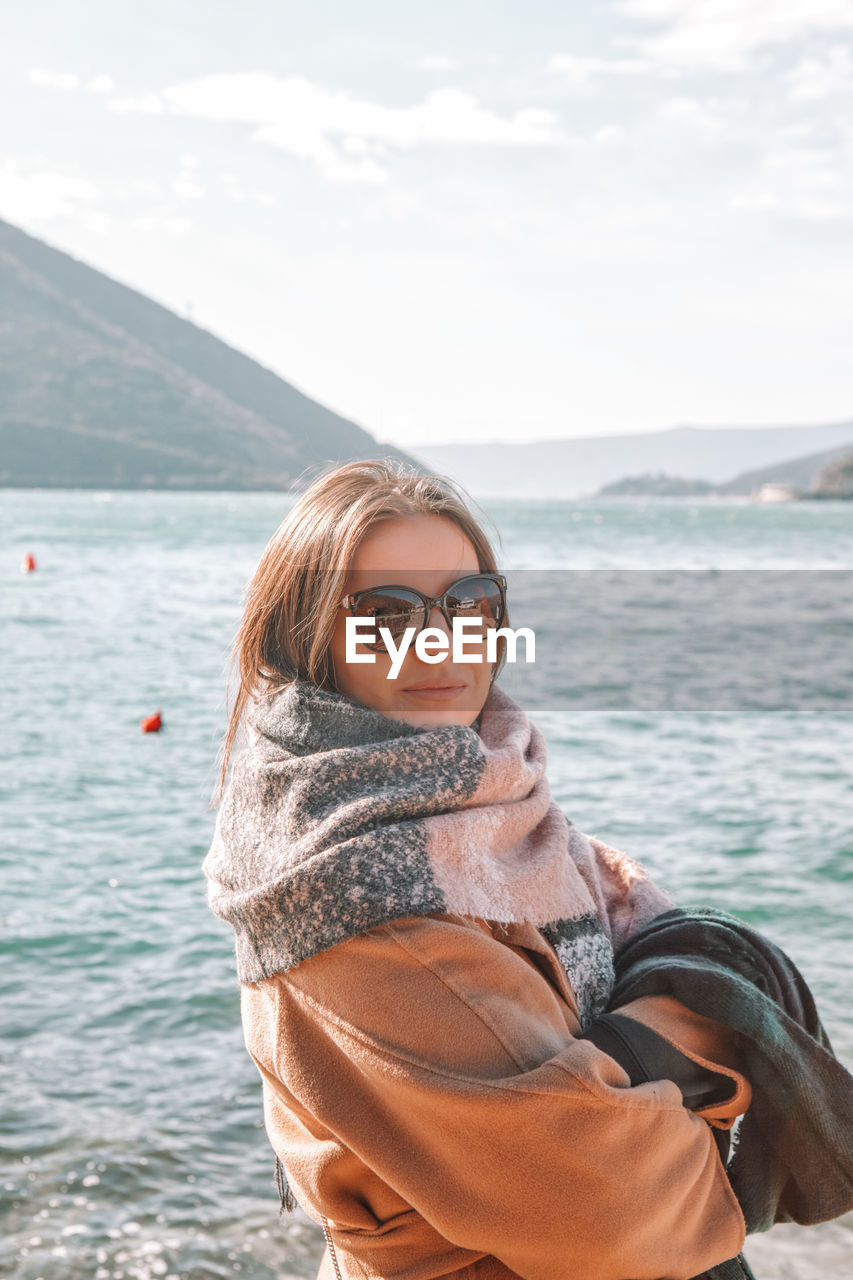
[{"x": 405, "y": 551}]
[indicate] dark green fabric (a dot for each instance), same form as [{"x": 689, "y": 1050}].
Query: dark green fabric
[
  {"x": 734, "y": 1269},
  {"x": 793, "y": 1157}
]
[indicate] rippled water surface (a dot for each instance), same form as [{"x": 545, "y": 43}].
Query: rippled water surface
[{"x": 133, "y": 1141}]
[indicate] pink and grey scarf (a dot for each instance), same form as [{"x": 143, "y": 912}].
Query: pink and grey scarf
[{"x": 337, "y": 818}]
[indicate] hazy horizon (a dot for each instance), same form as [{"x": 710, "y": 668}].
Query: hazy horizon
[{"x": 676, "y": 426}]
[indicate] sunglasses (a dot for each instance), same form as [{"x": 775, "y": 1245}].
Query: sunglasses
[{"x": 477, "y": 595}]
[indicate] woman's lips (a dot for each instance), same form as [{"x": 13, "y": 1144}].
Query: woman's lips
[{"x": 435, "y": 693}]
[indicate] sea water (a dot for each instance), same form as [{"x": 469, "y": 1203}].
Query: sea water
[{"x": 133, "y": 1141}]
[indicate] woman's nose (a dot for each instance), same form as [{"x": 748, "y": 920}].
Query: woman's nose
[{"x": 437, "y": 619}]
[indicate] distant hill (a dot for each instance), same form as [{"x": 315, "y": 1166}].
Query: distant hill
[
  {"x": 102, "y": 387},
  {"x": 835, "y": 480},
  {"x": 824, "y": 471},
  {"x": 796, "y": 472},
  {"x": 825, "y": 474},
  {"x": 579, "y": 466},
  {"x": 656, "y": 484}
]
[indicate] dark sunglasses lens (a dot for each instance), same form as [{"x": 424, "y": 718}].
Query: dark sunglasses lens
[
  {"x": 477, "y": 597},
  {"x": 394, "y": 610}
]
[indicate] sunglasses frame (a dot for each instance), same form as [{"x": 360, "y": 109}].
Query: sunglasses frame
[{"x": 429, "y": 602}]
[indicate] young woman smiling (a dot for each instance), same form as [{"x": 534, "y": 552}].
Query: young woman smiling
[{"x": 425, "y": 942}]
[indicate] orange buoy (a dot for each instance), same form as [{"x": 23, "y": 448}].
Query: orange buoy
[
  {"x": 28, "y": 563},
  {"x": 152, "y": 724}
]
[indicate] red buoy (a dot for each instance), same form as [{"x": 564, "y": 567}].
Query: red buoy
[
  {"x": 152, "y": 724},
  {"x": 28, "y": 563}
]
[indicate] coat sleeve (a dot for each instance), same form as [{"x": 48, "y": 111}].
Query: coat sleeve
[{"x": 448, "y": 1070}]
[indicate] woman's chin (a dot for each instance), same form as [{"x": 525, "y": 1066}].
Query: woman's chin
[{"x": 435, "y": 718}]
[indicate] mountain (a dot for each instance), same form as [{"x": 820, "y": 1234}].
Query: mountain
[
  {"x": 578, "y": 467},
  {"x": 835, "y": 480},
  {"x": 102, "y": 387},
  {"x": 656, "y": 484},
  {"x": 824, "y": 470},
  {"x": 798, "y": 473}
]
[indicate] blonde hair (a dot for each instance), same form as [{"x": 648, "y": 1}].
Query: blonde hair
[{"x": 292, "y": 600}]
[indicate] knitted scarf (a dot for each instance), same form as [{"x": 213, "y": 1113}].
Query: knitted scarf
[{"x": 337, "y": 818}]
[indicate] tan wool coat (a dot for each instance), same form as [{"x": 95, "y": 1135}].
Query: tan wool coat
[{"x": 426, "y": 1091}]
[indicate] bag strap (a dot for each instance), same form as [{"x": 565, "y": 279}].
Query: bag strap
[
  {"x": 288, "y": 1202},
  {"x": 331, "y": 1245}
]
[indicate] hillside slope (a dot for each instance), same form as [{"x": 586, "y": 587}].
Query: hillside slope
[
  {"x": 799, "y": 473},
  {"x": 102, "y": 387}
]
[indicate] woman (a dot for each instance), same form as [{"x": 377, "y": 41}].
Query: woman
[{"x": 425, "y": 942}]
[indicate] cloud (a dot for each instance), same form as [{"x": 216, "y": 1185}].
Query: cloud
[
  {"x": 186, "y": 188},
  {"x": 161, "y": 224},
  {"x": 97, "y": 221},
  {"x": 54, "y": 80},
  {"x": 68, "y": 80},
  {"x": 724, "y": 34},
  {"x": 816, "y": 78},
  {"x": 148, "y": 104},
  {"x": 345, "y": 137},
  {"x": 708, "y": 117},
  {"x": 30, "y": 193},
  {"x": 579, "y": 71},
  {"x": 234, "y": 189},
  {"x": 146, "y": 187},
  {"x": 436, "y": 63},
  {"x": 609, "y": 135},
  {"x": 754, "y": 199},
  {"x": 806, "y": 182},
  {"x": 186, "y": 185}
]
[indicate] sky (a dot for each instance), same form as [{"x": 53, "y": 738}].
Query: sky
[{"x": 464, "y": 221}]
